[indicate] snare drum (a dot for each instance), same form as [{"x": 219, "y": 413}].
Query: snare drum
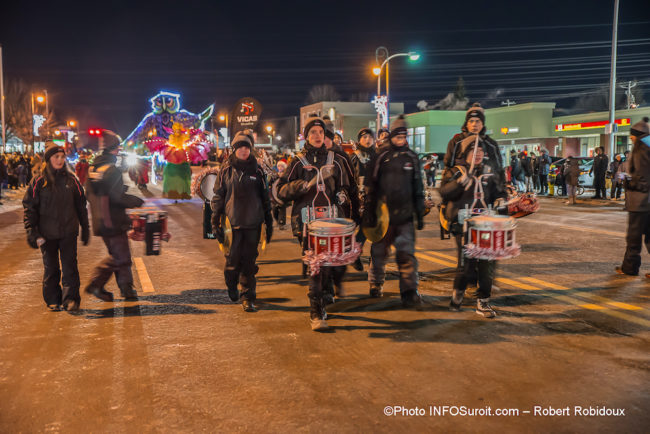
[
  {"x": 491, "y": 237},
  {"x": 334, "y": 236},
  {"x": 150, "y": 225}
]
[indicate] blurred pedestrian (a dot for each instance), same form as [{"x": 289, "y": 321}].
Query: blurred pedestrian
[
  {"x": 108, "y": 203},
  {"x": 617, "y": 182},
  {"x": 361, "y": 159},
  {"x": 599, "y": 171},
  {"x": 534, "y": 163},
  {"x": 544, "y": 163},
  {"x": 55, "y": 207},
  {"x": 571, "y": 175},
  {"x": 637, "y": 199}
]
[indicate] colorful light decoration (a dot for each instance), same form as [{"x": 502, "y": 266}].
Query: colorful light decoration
[
  {"x": 381, "y": 106},
  {"x": 165, "y": 112},
  {"x": 183, "y": 145}
]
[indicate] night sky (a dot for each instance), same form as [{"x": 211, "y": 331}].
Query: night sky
[{"x": 102, "y": 61}]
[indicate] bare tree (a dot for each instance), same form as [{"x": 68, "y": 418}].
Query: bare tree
[
  {"x": 19, "y": 112},
  {"x": 322, "y": 92}
]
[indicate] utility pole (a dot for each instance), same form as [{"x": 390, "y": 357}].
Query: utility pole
[
  {"x": 631, "y": 103},
  {"x": 612, "y": 85}
]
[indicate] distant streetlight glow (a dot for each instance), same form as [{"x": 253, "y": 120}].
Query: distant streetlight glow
[
  {"x": 40, "y": 99},
  {"x": 376, "y": 70},
  {"x": 269, "y": 128},
  {"x": 222, "y": 118},
  {"x": 71, "y": 123},
  {"x": 57, "y": 132},
  {"x": 413, "y": 56}
]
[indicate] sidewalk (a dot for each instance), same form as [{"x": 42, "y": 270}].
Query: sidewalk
[
  {"x": 586, "y": 200},
  {"x": 12, "y": 200}
]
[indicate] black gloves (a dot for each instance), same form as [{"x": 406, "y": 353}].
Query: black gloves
[
  {"x": 269, "y": 232},
  {"x": 217, "y": 230},
  {"x": 420, "y": 222},
  {"x": 32, "y": 242},
  {"x": 369, "y": 219},
  {"x": 85, "y": 236}
]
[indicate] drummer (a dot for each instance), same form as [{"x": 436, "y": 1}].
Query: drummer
[
  {"x": 457, "y": 189},
  {"x": 394, "y": 178},
  {"x": 242, "y": 196},
  {"x": 298, "y": 184}
]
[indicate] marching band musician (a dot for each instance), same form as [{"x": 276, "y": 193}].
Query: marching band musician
[
  {"x": 457, "y": 189},
  {"x": 348, "y": 203},
  {"x": 299, "y": 184},
  {"x": 361, "y": 158},
  {"x": 241, "y": 194},
  {"x": 474, "y": 124},
  {"x": 395, "y": 178}
]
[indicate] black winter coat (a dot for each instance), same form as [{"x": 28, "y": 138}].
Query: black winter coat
[
  {"x": 108, "y": 198},
  {"x": 394, "y": 177},
  {"x": 361, "y": 160},
  {"x": 637, "y": 189},
  {"x": 457, "y": 196},
  {"x": 599, "y": 168},
  {"x": 54, "y": 211},
  {"x": 293, "y": 183},
  {"x": 241, "y": 192}
]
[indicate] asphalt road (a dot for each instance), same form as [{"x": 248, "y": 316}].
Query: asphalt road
[{"x": 183, "y": 358}]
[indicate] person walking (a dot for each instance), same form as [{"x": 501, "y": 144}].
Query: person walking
[
  {"x": 637, "y": 199},
  {"x": 108, "y": 203},
  {"x": 394, "y": 177},
  {"x": 242, "y": 195},
  {"x": 54, "y": 209}
]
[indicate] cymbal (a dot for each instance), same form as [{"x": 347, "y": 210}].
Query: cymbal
[
  {"x": 378, "y": 232},
  {"x": 227, "y": 235}
]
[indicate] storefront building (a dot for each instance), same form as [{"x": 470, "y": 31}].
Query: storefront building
[{"x": 526, "y": 127}]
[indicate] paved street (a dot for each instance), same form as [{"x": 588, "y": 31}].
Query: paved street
[{"x": 185, "y": 359}]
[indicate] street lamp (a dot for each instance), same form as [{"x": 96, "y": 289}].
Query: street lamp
[
  {"x": 269, "y": 129},
  {"x": 413, "y": 57},
  {"x": 39, "y": 99}
]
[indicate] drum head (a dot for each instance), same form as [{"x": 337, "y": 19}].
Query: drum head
[
  {"x": 207, "y": 186},
  {"x": 227, "y": 236},
  {"x": 378, "y": 232}
]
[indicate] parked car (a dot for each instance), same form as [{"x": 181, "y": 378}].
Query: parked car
[{"x": 585, "y": 180}]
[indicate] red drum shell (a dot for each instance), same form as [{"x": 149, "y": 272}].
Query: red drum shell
[{"x": 331, "y": 236}]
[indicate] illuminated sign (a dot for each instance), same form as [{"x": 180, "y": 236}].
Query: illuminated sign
[
  {"x": 506, "y": 130},
  {"x": 590, "y": 125}
]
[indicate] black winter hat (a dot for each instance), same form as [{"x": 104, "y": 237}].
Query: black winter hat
[
  {"x": 382, "y": 130},
  {"x": 641, "y": 128},
  {"x": 242, "y": 139},
  {"x": 475, "y": 111},
  {"x": 398, "y": 126},
  {"x": 363, "y": 131},
  {"x": 312, "y": 122},
  {"x": 110, "y": 141},
  {"x": 329, "y": 127},
  {"x": 51, "y": 149}
]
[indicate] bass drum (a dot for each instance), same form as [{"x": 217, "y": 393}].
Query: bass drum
[{"x": 203, "y": 184}]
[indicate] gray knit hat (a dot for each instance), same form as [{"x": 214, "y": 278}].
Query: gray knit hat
[
  {"x": 398, "y": 126},
  {"x": 242, "y": 139}
]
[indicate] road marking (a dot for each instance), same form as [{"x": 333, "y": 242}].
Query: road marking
[
  {"x": 147, "y": 286},
  {"x": 570, "y": 300},
  {"x": 435, "y": 260},
  {"x": 591, "y": 230},
  {"x": 516, "y": 284},
  {"x": 442, "y": 255},
  {"x": 544, "y": 283}
]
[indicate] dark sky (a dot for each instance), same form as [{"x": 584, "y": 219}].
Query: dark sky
[{"x": 101, "y": 61}]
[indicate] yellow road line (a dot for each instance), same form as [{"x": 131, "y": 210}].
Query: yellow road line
[
  {"x": 442, "y": 255},
  {"x": 570, "y": 300},
  {"x": 544, "y": 283},
  {"x": 435, "y": 260},
  {"x": 147, "y": 286},
  {"x": 516, "y": 284}
]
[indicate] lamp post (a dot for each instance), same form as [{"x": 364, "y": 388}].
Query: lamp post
[
  {"x": 224, "y": 118},
  {"x": 39, "y": 99},
  {"x": 612, "y": 85},
  {"x": 269, "y": 129},
  {"x": 412, "y": 55}
]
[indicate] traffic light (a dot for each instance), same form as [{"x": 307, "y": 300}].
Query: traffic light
[{"x": 95, "y": 132}]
